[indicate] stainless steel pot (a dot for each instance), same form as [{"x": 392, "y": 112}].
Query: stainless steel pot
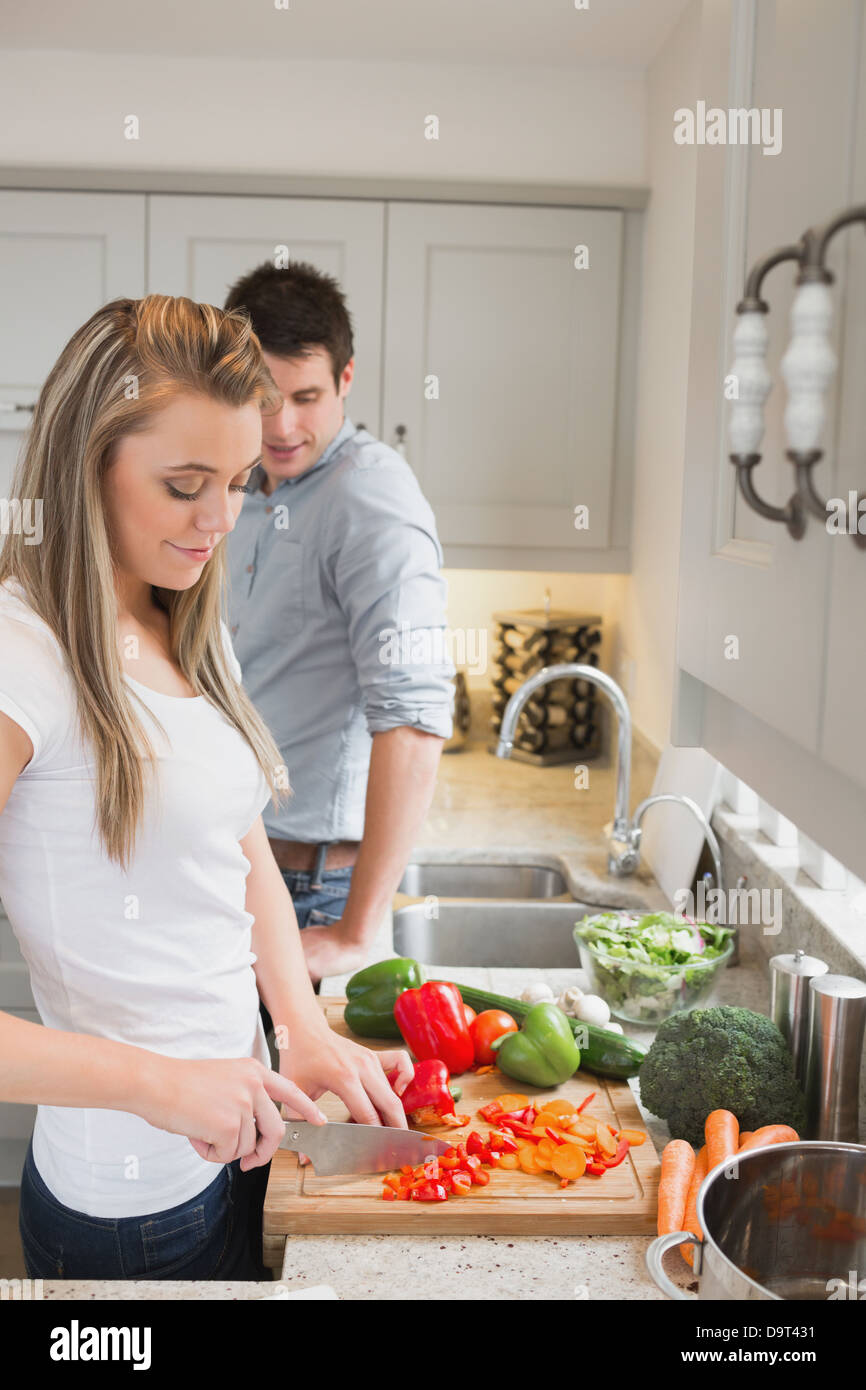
[{"x": 783, "y": 1222}]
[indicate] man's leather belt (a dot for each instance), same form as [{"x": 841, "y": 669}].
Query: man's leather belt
[{"x": 301, "y": 855}]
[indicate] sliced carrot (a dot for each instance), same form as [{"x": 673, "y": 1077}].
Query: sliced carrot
[
  {"x": 540, "y": 1132},
  {"x": 678, "y": 1166},
  {"x": 527, "y": 1160},
  {"x": 585, "y": 1144},
  {"x": 546, "y": 1148},
  {"x": 559, "y": 1106},
  {"x": 509, "y": 1161},
  {"x": 509, "y": 1102},
  {"x": 722, "y": 1133},
  {"x": 483, "y": 1071},
  {"x": 605, "y": 1140},
  {"x": 569, "y": 1161},
  {"x": 545, "y": 1165},
  {"x": 584, "y": 1127},
  {"x": 635, "y": 1137}
]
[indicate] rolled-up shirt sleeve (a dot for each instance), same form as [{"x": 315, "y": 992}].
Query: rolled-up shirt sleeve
[{"x": 386, "y": 575}]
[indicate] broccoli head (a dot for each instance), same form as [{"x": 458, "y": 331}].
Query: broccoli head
[{"x": 720, "y": 1059}]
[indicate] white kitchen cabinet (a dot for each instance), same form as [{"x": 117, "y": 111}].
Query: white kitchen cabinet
[
  {"x": 506, "y": 367},
  {"x": 770, "y": 651},
  {"x": 199, "y": 246},
  {"x": 62, "y": 255}
]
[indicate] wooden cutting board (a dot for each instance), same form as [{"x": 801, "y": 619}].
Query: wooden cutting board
[{"x": 623, "y": 1202}]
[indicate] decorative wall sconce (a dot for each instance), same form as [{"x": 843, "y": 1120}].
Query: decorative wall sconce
[{"x": 807, "y": 366}]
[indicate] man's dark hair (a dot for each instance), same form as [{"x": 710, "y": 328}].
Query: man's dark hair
[{"x": 296, "y": 310}]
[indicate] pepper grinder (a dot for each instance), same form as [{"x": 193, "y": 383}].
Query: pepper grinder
[
  {"x": 789, "y": 1002},
  {"x": 837, "y": 1018}
]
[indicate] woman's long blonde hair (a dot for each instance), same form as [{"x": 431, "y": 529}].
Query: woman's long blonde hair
[{"x": 130, "y": 359}]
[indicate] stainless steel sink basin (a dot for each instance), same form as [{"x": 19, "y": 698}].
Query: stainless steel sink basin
[
  {"x": 482, "y": 881},
  {"x": 533, "y": 934}
]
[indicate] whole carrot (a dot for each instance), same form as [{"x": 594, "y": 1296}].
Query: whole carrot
[
  {"x": 722, "y": 1133},
  {"x": 678, "y": 1165},
  {"x": 690, "y": 1219},
  {"x": 770, "y": 1134},
  {"x": 744, "y": 1135}
]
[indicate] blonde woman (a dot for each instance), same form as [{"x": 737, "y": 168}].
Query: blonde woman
[{"x": 134, "y": 866}]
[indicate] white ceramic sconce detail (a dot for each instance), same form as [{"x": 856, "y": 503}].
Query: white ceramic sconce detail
[
  {"x": 753, "y": 382},
  {"x": 808, "y": 367}
]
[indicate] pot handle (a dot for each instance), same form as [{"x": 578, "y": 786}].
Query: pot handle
[{"x": 658, "y": 1249}]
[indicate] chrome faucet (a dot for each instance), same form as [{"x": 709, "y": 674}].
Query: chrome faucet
[
  {"x": 625, "y": 836},
  {"x": 620, "y": 860}
]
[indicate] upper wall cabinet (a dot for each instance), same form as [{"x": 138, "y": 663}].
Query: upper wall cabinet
[
  {"x": 62, "y": 255},
  {"x": 199, "y": 246},
  {"x": 770, "y": 642},
  {"x": 503, "y": 368}
]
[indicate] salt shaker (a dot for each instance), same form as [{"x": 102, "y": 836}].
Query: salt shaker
[
  {"x": 837, "y": 1017},
  {"x": 789, "y": 1001}
]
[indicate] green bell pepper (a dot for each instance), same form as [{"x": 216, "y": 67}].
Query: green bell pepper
[
  {"x": 543, "y": 1053},
  {"x": 372, "y": 993}
]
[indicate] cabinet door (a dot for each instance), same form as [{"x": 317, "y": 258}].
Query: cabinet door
[
  {"x": 744, "y": 577},
  {"x": 200, "y": 246},
  {"x": 62, "y": 255},
  {"x": 501, "y": 362}
]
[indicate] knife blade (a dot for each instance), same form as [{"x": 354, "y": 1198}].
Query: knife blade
[{"x": 353, "y": 1148}]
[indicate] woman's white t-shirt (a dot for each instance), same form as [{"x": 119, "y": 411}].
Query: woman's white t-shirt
[{"x": 158, "y": 956}]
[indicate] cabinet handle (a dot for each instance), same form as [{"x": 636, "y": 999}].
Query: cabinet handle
[{"x": 400, "y": 437}]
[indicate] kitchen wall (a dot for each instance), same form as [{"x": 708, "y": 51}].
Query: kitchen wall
[
  {"x": 649, "y": 613},
  {"x": 495, "y": 122}
]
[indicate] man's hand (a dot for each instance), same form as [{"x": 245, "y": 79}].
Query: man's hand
[
  {"x": 322, "y": 1061},
  {"x": 331, "y": 950}
]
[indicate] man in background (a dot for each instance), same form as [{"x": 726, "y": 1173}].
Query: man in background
[{"x": 337, "y": 614}]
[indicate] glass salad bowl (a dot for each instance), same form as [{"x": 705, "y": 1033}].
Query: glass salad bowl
[{"x": 648, "y": 967}]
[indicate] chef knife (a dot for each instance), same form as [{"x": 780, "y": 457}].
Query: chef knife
[{"x": 353, "y": 1148}]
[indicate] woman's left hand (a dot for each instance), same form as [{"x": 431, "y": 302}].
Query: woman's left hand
[{"x": 323, "y": 1061}]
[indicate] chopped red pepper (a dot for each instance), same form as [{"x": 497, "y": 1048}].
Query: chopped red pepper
[
  {"x": 584, "y": 1103},
  {"x": 433, "y": 1024},
  {"x": 490, "y": 1112},
  {"x": 552, "y": 1134},
  {"x": 621, "y": 1151},
  {"x": 596, "y": 1169},
  {"x": 429, "y": 1192},
  {"x": 480, "y": 1178},
  {"x": 462, "y": 1183}
]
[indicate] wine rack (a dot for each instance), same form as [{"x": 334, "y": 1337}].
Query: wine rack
[{"x": 563, "y": 720}]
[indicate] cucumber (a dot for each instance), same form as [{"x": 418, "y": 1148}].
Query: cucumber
[{"x": 602, "y": 1052}]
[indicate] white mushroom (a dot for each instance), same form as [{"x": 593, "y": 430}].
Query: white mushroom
[
  {"x": 537, "y": 993},
  {"x": 592, "y": 1009},
  {"x": 569, "y": 1000}
]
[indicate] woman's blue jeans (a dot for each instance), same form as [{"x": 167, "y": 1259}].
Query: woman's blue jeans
[{"x": 215, "y": 1235}]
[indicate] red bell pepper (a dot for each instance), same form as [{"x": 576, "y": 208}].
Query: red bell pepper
[
  {"x": 429, "y": 1088},
  {"x": 433, "y": 1025}
]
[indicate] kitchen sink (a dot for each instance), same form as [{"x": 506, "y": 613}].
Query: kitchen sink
[
  {"x": 482, "y": 881},
  {"x": 501, "y": 933}
]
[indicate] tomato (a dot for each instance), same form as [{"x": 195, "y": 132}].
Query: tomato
[
  {"x": 470, "y": 1016},
  {"x": 485, "y": 1029}
]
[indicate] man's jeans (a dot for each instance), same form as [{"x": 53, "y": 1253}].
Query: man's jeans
[{"x": 315, "y": 907}]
